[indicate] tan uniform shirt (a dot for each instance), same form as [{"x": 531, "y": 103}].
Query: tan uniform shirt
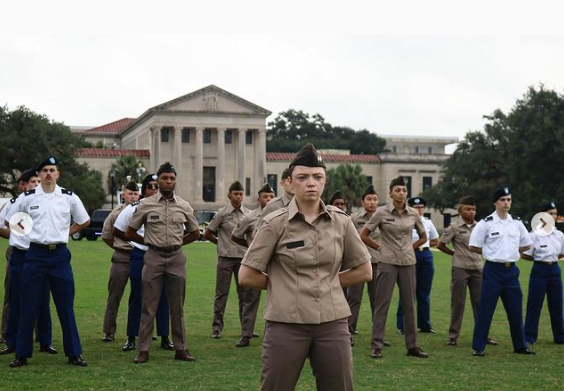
[
  {"x": 395, "y": 233},
  {"x": 459, "y": 234},
  {"x": 246, "y": 227},
  {"x": 303, "y": 260},
  {"x": 223, "y": 224},
  {"x": 108, "y": 228},
  {"x": 359, "y": 220},
  {"x": 164, "y": 220},
  {"x": 272, "y": 206}
]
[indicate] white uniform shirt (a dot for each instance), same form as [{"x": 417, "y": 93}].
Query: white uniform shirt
[
  {"x": 500, "y": 239},
  {"x": 122, "y": 222},
  {"x": 21, "y": 242},
  {"x": 546, "y": 248},
  {"x": 431, "y": 231},
  {"x": 51, "y": 214}
]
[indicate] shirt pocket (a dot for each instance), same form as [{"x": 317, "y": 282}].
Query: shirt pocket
[{"x": 62, "y": 215}]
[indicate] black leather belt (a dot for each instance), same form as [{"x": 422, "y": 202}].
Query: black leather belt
[
  {"x": 51, "y": 247},
  {"x": 546, "y": 263},
  {"x": 170, "y": 249},
  {"x": 501, "y": 264},
  {"x": 119, "y": 250}
]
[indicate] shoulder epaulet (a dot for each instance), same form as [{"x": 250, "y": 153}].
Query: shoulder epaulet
[
  {"x": 135, "y": 203},
  {"x": 516, "y": 217},
  {"x": 67, "y": 192},
  {"x": 12, "y": 200},
  {"x": 275, "y": 214},
  {"x": 335, "y": 209},
  {"x": 489, "y": 218},
  {"x": 28, "y": 192}
]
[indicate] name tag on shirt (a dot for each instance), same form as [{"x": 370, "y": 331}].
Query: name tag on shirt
[
  {"x": 462, "y": 232},
  {"x": 495, "y": 234},
  {"x": 544, "y": 246},
  {"x": 34, "y": 207},
  {"x": 295, "y": 244},
  {"x": 390, "y": 220}
]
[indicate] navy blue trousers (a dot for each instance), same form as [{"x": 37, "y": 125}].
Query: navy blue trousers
[
  {"x": 424, "y": 272},
  {"x": 44, "y": 329},
  {"x": 136, "y": 299},
  {"x": 500, "y": 281},
  {"x": 545, "y": 280},
  {"x": 44, "y": 268}
]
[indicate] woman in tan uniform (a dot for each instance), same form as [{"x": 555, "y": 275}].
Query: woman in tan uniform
[{"x": 296, "y": 256}]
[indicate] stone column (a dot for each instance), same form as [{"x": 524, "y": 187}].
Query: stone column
[
  {"x": 199, "y": 165},
  {"x": 241, "y": 156},
  {"x": 260, "y": 158},
  {"x": 177, "y": 160},
  {"x": 157, "y": 147},
  {"x": 220, "y": 177},
  {"x": 151, "y": 150}
]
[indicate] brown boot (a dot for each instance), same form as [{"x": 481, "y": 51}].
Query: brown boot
[
  {"x": 183, "y": 355},
  {"x": 141, "y": 358},
  {"x": 417, "y": 352}
]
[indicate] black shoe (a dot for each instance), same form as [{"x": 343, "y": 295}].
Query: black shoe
[
  {"x": 7, "y": 350},
  {"x": 490, "y": 341},
  {"x": 525, "y": 351},
  {"x": 354, "y": 332},
  {"x": 108, "y": 338},
  {"x": 255, "y": 335},
  {"x": 18, "y": 362},
  {"x": 166, "y": 344},
  {"x": 452, "y": 342},
  {"x": 129, "y": 344},
  {"x": 154, "y": 338},
  {"x": 216, "y": 335},
  {"x": 400, "y": 331},
  {"x": 78, "y": 361},
  {"x": 427, "y": 331},
  {"x": 243, "y": 342},
  {"x": 417, "y": 352},
  {"x": 48, "y": 349},
  {"x": 352, "y": 342},
  {"x": 376, "y": 353},
  {"x": 387, "y": 344},
  {"x": 478, "y": 352}
]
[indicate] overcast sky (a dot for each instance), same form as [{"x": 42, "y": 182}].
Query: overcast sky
[{"x": 389, "y": 84}]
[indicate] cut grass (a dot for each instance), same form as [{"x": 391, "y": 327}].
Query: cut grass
[{"x": 221, "y": 366}]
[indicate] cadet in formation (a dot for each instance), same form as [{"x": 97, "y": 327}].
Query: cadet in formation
[
  {"x": 119, "y": 272},
  {"x": 296, "y": 256},
  {"x": 396, "y": 265},
  {"x": 229, "y": 256},
  {"x": 149, "y": 187},
  {"x": 19, "y": 244},
  {"x": 281, "y": 201},
  {"x": 499, "y": 238},
  {"x": 165, "y": 217},
  {"x": 545, "y": 280},
  {"x": 48, "y": 260}
]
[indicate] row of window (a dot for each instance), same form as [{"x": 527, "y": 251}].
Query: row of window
[
  {"x": 165, "y": 135},
  {"x": 416, "y": 150}
]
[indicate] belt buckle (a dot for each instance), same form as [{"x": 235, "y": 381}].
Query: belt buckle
[
  {"x": 550, "y": 263},
  {"x": 507, "y": 264},
  {"x": 52, "y": 247}
]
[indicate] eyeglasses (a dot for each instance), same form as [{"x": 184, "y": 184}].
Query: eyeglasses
[{"x": 153, "y": 186}]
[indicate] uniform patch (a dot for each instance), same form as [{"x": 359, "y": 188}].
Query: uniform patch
[
  {"x": 28, "y": 192},
  {"x": 516, "y": 217},
  {"x": 135, "y": 203},
  {"x": 489, "y": 218},
  {"x": 34, "y": 207},
  {"x": 67, "y": 192},
  {"x": 13, "y": 200},
  {"x": 295, "y": 244}
]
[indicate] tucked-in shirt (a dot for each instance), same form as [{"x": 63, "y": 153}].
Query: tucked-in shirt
[
  {"x": 122, "y": 222},
  {"x": 51, "y": 213},
  {"x": 164, "y": 220},
  {"x": 245, "y": 229},
  {"x": 546, "y": 248},
  {"x": 108, "y": 228},
  {"x": 303, "y": 260},
  {"x": 18, "y": 241},
  {"x": 359, "y": 220},
  {"x": 430, "y": 229},
  {"x": 500, "y": 239},
  {"x": 395, "y": 233},
  {"x": 223, "y": 224},
  {"x": 459, "y": 234}
]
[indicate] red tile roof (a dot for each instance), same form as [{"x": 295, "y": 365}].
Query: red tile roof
[
  {"x": 113, "y": 127},
  {"x": 108, "y": 152},
  {"x": 288, "y": 156}
]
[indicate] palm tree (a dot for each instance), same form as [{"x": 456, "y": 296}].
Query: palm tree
[
  {"x": 350, "y": 180},
  {"x": 125, "y": 168}
]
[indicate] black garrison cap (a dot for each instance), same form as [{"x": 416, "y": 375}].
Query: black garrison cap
[
  {"x": 399, "y": 181},
  {"x": 369, "y": 190},
  {"x": 131, "y": 185},
  {"x": 236, "y": 186},
  {"x": 166, "y": 168},
  {"x": 467, "y": 200},
  {"x": 336, "y": 196},
  {"x": 266, "y": 189},
  {"x": 308, "y": 156}
]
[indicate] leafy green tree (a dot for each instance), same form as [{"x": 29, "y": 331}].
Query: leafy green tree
[
  {"x": 29, "y": 138},
  {"x": 291, "y": 129},
  {"x": 350, "y": 180},
  {"x": 124, "y": 167}
]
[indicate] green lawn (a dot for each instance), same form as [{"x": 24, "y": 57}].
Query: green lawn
[{"x": 221, "y": 366}]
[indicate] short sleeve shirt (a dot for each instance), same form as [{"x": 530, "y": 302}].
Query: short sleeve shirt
[
  {"x": 396, "y": 233},
  {"x": 274, "y": 204},
  {"x": 500, "y": 239},
  {"x": 51, "y": 213},
  {"x": 164, "y": 220},
  {"x": 303, "y": 260},
  {"x": 459, "y": 234},
  {"x": 546, "y": 248},
  {"x": 246, "y": 227},
  {"x": 359, "y": 220},
  {"x": 223, "y": 224},
  {"x": 108, "y": 228},
  {"x": 431, "y": 231},
  {"x": 20, "y": 242}
]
